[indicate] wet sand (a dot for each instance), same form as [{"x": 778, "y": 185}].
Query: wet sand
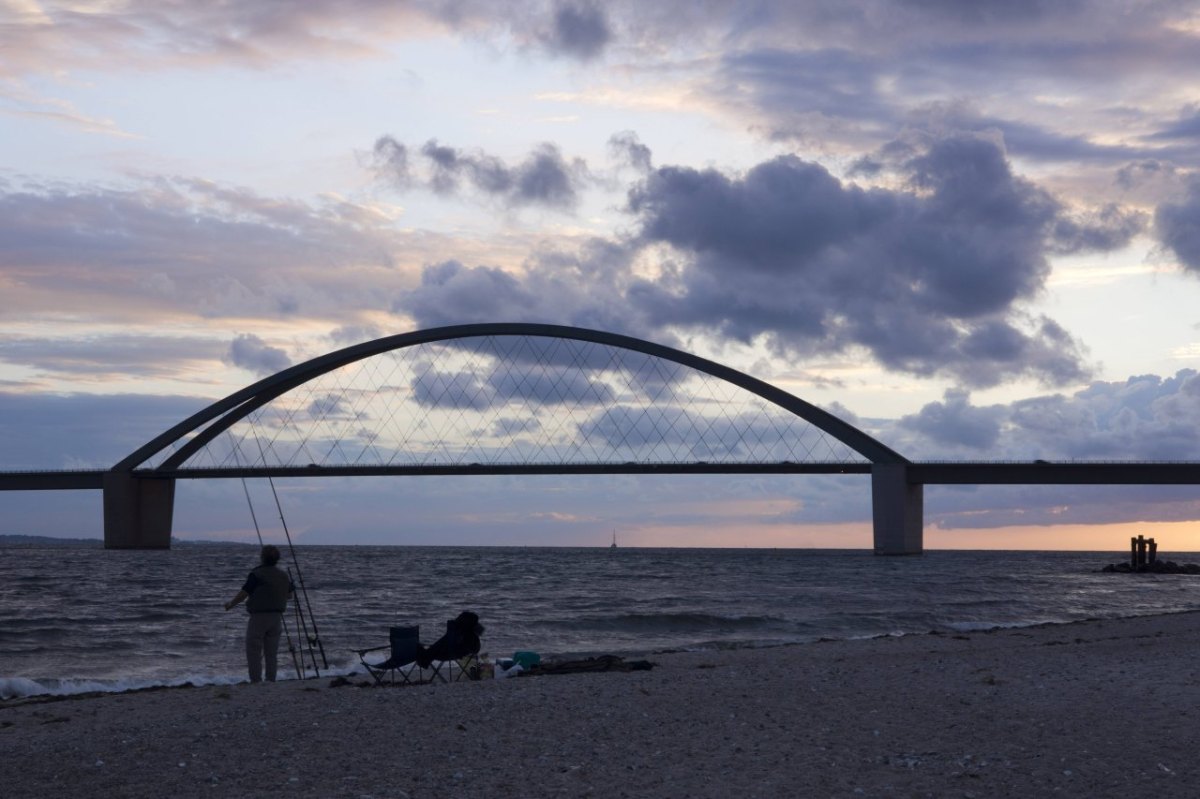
[{"x": 1101, "y": 708}]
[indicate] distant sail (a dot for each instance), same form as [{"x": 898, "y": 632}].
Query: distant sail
[{"x": 613, "y": 545}]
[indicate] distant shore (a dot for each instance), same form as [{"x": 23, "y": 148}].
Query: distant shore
[{"x": 1097, "y": 708}]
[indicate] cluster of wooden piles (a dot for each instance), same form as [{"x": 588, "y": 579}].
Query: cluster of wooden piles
[{"x": 1143, "y": 558}]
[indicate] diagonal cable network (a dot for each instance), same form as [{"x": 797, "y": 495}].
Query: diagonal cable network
[{"x": 521, "y": 399}]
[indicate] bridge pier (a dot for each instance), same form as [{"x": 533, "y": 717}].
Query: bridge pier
[
  {"x": 137, "y": 511},
  {"x": 898, "y": 507}
]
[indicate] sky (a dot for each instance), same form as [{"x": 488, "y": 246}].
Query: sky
[{"x": 972, "y": 229}]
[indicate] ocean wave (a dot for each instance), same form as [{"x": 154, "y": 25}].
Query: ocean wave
[
  {"x": 682, "y": 622},
  {"x": 23, "y": 687}
]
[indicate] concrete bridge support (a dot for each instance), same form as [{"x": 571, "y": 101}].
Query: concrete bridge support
[
  {"x": 898, "y": 510},
  {"x": 137, "y": 511}
]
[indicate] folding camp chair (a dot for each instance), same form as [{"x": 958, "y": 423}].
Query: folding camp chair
[
  {"x": 459, "y": 647},
  {"x": 404, "y": 643}
]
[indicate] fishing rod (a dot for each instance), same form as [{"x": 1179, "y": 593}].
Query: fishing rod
[
  {"x": 299, "y": 626},
  {"x": 315, "y": 638},
  {"x": 297, "y": 663}
]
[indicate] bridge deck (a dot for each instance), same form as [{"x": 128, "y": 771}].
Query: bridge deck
[
  {"x": 65, "y": 480},
  {"x": 921, "y": 473}
]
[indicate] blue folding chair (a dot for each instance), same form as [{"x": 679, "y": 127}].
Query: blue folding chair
[{"x": 405, "y": 645}]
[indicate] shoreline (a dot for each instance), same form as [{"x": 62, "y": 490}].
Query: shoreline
[
  {"x": 356, "y": 670},
  {"x": 1089, "y": 708}
]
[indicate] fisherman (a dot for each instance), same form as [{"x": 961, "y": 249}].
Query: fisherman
[{"x": 266, "y": 593}]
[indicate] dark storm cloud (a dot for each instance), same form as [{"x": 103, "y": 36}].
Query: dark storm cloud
[
  {"x": 579, "y": 30},
  {"x": 927, "y": 280},
  {"x": 250, "y": 352},
  {"x": 544, "y": 178},
  {"x": 1178, "y": 226}
]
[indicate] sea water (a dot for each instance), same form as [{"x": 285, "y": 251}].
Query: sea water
[{"x": 82, "y": 618}]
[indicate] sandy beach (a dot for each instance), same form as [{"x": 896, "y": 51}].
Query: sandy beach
[{"x": 1098, "y": 708}]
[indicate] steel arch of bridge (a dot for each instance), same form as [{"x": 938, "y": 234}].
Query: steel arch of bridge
[
  {"x": 223, "y": 414},
  {"x": 138, "y": 501}
]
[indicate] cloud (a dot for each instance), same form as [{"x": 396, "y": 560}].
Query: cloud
[
  {"x": 146, "y": 33},
  {"x": 628, "y": 150},
  {"x": 928, "y": 280},
  {"x": 545, "y": 178},
  {"x": 582, "y": 288},
  {"x": 548, "y": 386},
  {"x": 804, "y": 94},
  {"x": 451, "y": 293},
  {"x": 579, "y": 30},
  {"x": 433, "y": 388},
  {"x": 1178, "y": 226},
  {"x": 248, "y": 351},
  {"x": 1135, "y": 173},
  {"x": 1187, "y": 126},
  {"x": 113, "y": 357},
  {"x": 166, "y": 249},
  {"x": 390, "y": 157},
  {"x": 668, "y": 434},
  {"x": 332, "y": 406},
  {"x": 1146, "y": 417},
  {"x": 957, "y": 423},
  {"x": 1143, "y": 418},
  {"x": 929, "y": 277},
  {"x": 1108, "y": 228},
  {"x": 348, "y": 335},
  {"x": 83, "y": 431}
]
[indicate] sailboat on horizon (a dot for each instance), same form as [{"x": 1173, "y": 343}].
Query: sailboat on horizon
[{"x": 613, "y": 545}]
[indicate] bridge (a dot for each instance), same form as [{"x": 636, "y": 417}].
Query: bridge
[{"x": 514, "y": 398}]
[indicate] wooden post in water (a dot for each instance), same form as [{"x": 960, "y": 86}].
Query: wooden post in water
[
  {"x": 1153, "y": 551},
  {"x": 1132, "y": 552}
]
